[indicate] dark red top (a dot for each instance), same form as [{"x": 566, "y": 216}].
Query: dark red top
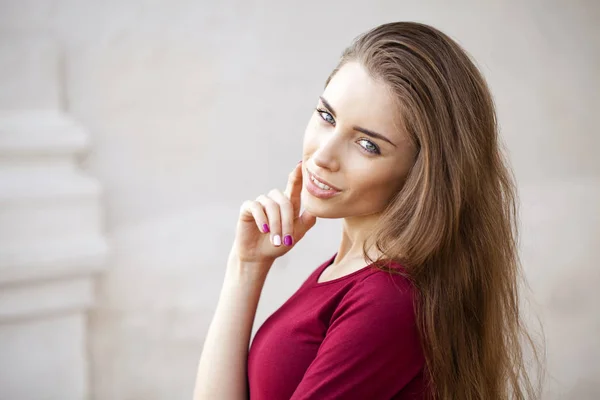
[{"x": 349, "y": 338}]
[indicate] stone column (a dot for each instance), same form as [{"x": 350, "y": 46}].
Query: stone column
[{"x": 51, "y": 242}]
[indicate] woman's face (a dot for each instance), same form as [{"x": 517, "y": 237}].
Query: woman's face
[{"x": 355, "y": 144}]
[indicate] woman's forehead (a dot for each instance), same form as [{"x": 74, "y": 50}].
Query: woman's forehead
[{"x": 358, "y": 99}]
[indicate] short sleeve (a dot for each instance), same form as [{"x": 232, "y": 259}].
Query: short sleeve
[{"x": 371, "y": 349}]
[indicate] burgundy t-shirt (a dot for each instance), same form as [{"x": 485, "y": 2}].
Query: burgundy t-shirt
[{"x": 353, "y": 337}]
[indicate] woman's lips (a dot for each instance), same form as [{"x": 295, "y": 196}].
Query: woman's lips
[{"x": 317, "y": 191}]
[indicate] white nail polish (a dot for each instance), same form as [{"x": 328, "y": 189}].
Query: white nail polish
[{"x": 277, "y": 240}]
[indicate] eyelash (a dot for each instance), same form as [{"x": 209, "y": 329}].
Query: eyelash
[{"x": 376, "y": 148}]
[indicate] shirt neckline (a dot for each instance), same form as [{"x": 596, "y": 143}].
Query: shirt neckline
[{"x": 341, "y": 278}]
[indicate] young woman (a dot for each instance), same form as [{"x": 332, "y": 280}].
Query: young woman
[{"x": 421, "y": 298}]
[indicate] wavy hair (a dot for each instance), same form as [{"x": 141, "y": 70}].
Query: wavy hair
[{"x": 453, "y": 226}]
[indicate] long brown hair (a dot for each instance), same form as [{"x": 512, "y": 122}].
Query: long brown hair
[{"x": 453, "y": 226}]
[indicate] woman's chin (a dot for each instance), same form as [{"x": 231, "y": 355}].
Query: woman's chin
[{"x": 322, "y": 210}]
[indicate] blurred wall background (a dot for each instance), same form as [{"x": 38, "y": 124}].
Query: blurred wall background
[{"x": 190, "y": 107}]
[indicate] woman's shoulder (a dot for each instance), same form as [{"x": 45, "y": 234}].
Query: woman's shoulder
[
  {"x": 381, "y": 305},
  {"x": 381, "y": 289},
  {"x": 388, "y": 278}
]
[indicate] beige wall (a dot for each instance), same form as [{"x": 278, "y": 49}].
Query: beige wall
[{"x": 194, "y": 106}]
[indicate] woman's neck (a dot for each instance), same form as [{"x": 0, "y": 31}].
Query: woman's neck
[{"x": 355, "y": 231}]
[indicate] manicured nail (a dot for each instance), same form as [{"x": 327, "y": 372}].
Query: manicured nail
[
  {"x": 287, "y": 240},
  {"x": 277, "y": 240},
  {"x": 266, "y": 228},
  {"x": 299, "y": 162}
]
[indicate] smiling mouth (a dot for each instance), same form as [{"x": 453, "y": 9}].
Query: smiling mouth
[{"x": 320, "y": 184}]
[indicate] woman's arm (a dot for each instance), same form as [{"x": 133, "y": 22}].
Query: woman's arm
[
  {"x": 258, "y": 243},
  {"x": 222, "y": 369}
]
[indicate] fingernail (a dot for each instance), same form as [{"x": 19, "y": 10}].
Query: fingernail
[
  {"x": 299, "y": 162},
  {"x": 266, "y": 228},
  {"x": 277, "y": 240},
  {"x": 287, "y": 240}
]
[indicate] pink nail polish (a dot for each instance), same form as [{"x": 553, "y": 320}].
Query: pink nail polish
[
  {"x": 299, "y": 161},
  {"x": 266, "y": 228},
  {"x": 287, "y": 240}
]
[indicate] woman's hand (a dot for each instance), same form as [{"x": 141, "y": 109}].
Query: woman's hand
[{"x": 270, "y": 226}]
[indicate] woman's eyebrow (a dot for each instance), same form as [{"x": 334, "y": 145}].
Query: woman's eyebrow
[
  {"x": 326, "y": 104},
  {"x": 358, "y": 128},
  {"x": 373, "y": 134}
]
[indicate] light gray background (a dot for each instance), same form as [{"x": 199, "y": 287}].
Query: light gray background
[{"x": 195, "y": 106}]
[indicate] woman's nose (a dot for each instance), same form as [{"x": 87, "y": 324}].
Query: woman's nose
[{"x": 327, "y": 154}]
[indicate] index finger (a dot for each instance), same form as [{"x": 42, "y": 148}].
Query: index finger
[{"x": 294, "y": 188}]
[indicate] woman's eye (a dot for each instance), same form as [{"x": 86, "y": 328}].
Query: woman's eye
[
  {"x": 327, "y": 117},
  {"x": 369, "y": 146}
]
